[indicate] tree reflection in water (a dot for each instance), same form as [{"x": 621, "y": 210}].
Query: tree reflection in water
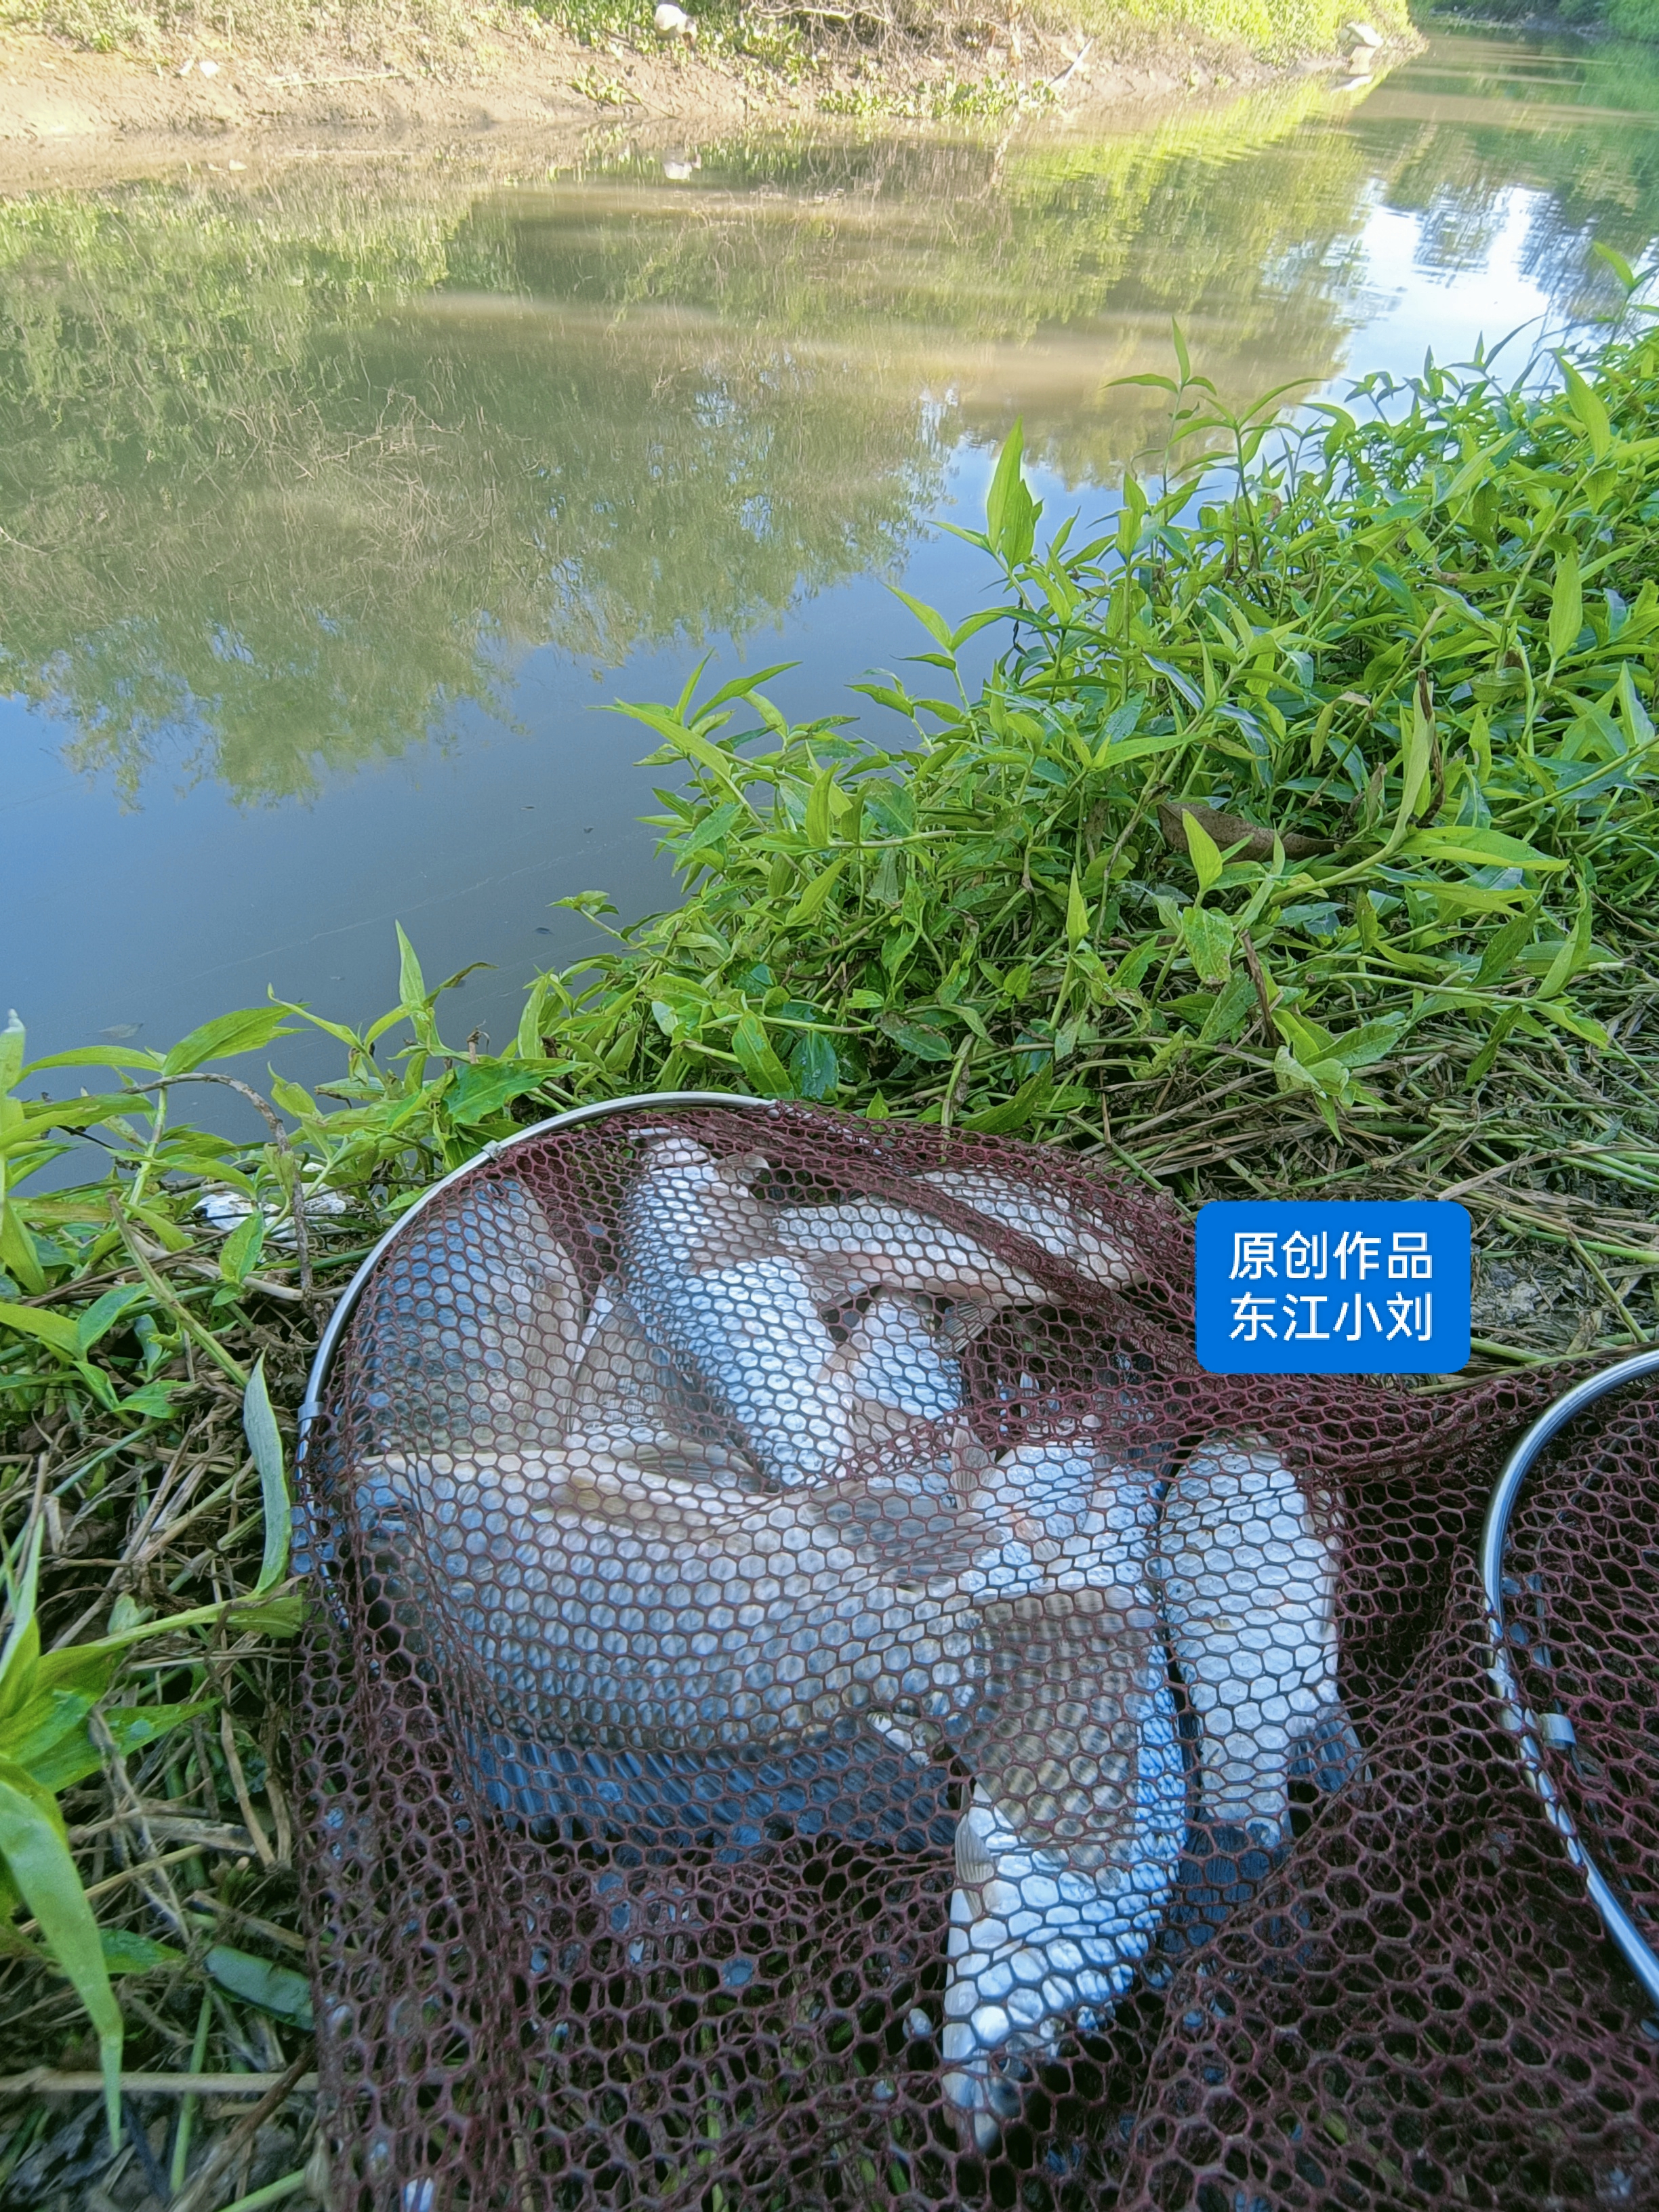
[{"x": 286, "y": 473}]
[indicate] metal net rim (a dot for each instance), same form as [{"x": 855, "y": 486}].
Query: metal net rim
[
  {"x": 328, "y": 1346},
  {"x": 1530, "y": 1731}
]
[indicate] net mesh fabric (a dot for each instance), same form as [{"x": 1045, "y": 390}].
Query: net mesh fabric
[{"x": 817, "y": 1700}]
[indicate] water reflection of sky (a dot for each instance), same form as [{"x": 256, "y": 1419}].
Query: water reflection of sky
[
  {"x": 1422, "y": 299},
  {"x": 1429, "y": 237}
]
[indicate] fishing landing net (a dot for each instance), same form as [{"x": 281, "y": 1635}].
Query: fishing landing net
[{"x": 815, "y": 1700}]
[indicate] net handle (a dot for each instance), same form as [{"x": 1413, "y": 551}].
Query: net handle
[
  {"x": 1518, "y": 1719},
  {"x": 317, "y": 1380}
]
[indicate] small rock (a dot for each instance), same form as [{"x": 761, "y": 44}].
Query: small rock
[
  {"x": 209, "y": 68},
  {"x": 1363, "y": 34}
]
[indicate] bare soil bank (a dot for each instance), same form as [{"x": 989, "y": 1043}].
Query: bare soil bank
[{"x": 515, "y": 82}]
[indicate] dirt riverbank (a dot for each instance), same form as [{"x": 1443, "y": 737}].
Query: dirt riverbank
[{"x": 509, "y": 80}]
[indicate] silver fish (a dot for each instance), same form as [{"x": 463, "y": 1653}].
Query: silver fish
[
  {"x": 872, "y": 1244},
  {"x": 471, "y": 1333},
  {"x": 902, "y": 1386},
  {"x": 1248, "y": 1586},
  {"x": 626, "y": 1401},
  {"x": 629, "y": 1610},
  {"x": 1047, "y": 1221},
  {"x": 620, "y": 1607},
  {"x": 703, "y": 1271},
  {"x": 1066, "y": 1855}
]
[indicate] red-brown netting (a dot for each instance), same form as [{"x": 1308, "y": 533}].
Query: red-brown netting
[{"x": 817, "y": 1700}]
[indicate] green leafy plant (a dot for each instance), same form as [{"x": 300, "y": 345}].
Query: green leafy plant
[
  {"x": 1293, "y": 830},
  {"x": 47, "y": 1704},
  {"x": 1402, "y": 670}
]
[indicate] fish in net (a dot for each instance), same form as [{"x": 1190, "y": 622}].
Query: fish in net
[{"x": 817, "y": 1699}]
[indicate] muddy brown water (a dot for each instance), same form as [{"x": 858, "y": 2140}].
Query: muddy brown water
[{"x": 336, "y": 504}]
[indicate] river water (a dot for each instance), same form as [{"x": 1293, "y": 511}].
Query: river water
[{"x": 337, "y": 503}]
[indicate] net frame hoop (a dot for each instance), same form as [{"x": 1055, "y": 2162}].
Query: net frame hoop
[
  {"x": 346, "y": 1304},
  {"x": 1519, "y": 1720}
]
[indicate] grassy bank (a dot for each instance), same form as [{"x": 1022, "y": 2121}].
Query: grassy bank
[
  {"x": 999, "y": 56},
  {"x": 1302, "y": 838}
]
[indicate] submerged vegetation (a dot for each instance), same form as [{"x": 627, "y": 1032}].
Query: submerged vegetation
[{"x": 1303, "y": 835}]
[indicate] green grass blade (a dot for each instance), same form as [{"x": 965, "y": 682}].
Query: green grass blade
[
  {"x": 266, "y": 1443},
  {"x": 37, "y": 1854}
]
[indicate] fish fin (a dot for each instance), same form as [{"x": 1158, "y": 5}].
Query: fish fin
[
  {"x": 1054, "y": 1738},
  {"x": 912, "y": 1530},
  {"x": 1327, "y": 1752},
  {"x": 969, "y": 1462}
]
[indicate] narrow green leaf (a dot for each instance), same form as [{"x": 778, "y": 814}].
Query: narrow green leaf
[
  {"x": 813, "y": 1066},
  {"x": 411, "y": 984},
  {"x": 101, "y": 1315},
  {"x": 1019, "y": 525},
  {"x": 265, "y": 1442},
  {"x": 249, "y": 1030},
  {"x": 1575, "y": 951},
  {"x": 1208, "y": 937},
  {"x": 757, "y": 1059},
  {"x": 1480, "y": 847},
  {"x": 1183, "y": 361},
  {"x": 888, "y": 695},
  {"x": 1566, "y": 605},
  {"x": 1588, "y": 407},
  {"x": 271, "y": 1616},
  {"x": 1568, "y": 1017},
  {"x": 976, "y": 622},
  {"x": 55, "y": 1329},
  {"x": 811, "y": 900},
  {"x": 1204, "y": 853},
  {"x": 819, "y": 810},
  {"x": 920, "y": 1039},
  {"x": 1372, "y": 1043},
  {"x": 1638, "y": 724},
  {"x": 1005, "y": 473},
  {"x": 1032, "y": 1096},
  {"x": 1616, "y": 261},
  {"x": 480, "y": 1089},
  {"x": 275, "y": 1989},
  {"x": 153, "y": 1402},
  {"x": 99, "y": 1055},
  {"x": 1416, "y": 758},
  {"x": 1504, "y": 948},
  {"x": 1497, "y": 1037},
  {"x": 930, "y": 618},
  {"x": 126, "y": 1951},
  {"x": 19, "y": 1256},
  {"x": 18, "y": 1660},
  {"x": 1077, "y": 914},
  {"x": 35, "y": 1848},
  {"x": 11, "y": 1053},
  {"x": 740, "y": 687},
  {"x": 682, "y": 707}
]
